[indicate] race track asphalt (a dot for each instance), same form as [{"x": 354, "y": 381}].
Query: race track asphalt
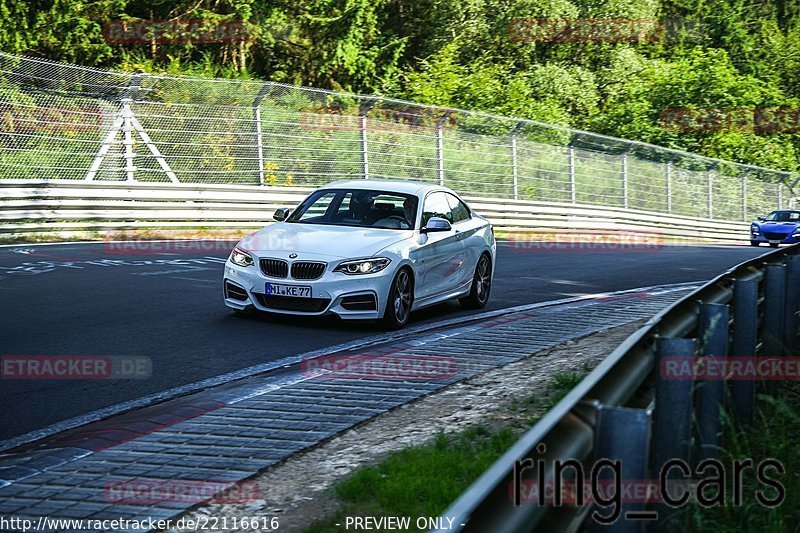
[{"x": 90, "y": 299}]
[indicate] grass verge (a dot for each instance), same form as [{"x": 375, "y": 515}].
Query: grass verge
[
  {"x": 423, "y": 480},
  {"x": 773, "y": 434}
]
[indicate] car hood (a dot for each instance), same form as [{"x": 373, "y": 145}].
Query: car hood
[
  {"x": 778, "y": 227},
  {"x": 320, "y": 240}
]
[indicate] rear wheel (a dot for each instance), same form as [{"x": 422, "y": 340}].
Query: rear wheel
[
  {"x": 481, "y": 285},
  {"x": 401, "y": 297}
]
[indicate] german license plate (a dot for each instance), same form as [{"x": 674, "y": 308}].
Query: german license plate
[
  {"x": 295, "y": 291},
  {"x": 774, "y": 241}
]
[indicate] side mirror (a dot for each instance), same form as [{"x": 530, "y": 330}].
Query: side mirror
[
  {"x": 282, "y": 213},
  {"x": 762, "y": 219},
  {"x": 436, "y": 224}
]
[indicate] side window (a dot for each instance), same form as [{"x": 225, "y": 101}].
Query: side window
[
  {"x": 459, "y": 210},
  {"x": 436, "y": 205}
]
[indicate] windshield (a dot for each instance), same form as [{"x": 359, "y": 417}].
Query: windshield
[
  {"x": 358, "y": 207},
  {"x": 784, "y": 216}
]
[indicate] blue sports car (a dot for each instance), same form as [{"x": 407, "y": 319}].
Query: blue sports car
[{"x": 779, "y": 227}]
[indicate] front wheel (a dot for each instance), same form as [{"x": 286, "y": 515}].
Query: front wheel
[
  {"x": 754, "y": 243},
  {"x": 481, "y": 285},
  {"x": 774, "y": 244},
  {"x": 401, "y": 297}
]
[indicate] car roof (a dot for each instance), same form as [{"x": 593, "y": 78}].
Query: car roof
[{"x": 401, "y": 186}]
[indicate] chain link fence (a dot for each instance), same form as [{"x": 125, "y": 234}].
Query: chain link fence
[{"x": 61, "y": 121}]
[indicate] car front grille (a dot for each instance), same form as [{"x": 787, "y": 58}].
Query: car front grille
[
  {"x": 288, "y": 303},
  {"x": 274, "y": 268},
  {"x": 307, "y": 269},
  {"x": 772, "y": 236}
]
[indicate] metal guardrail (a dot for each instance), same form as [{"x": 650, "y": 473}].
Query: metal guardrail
[
  {"x": 65, "y": 205},
  {"x": 624, "y": 410},
  {"x": 62, "y": 121}
]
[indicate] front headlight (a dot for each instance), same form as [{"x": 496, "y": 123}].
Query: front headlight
[
  {"x": 754, "y": 230},
  {"x": 363, "y": 266},
  {"x": 241, "y": 258}
]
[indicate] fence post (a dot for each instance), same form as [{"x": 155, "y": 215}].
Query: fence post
[
  {"x": 364, "y": 154},
  {"x": 514, "y": 170},
  {"x": 780, "y": 195},
  {"x": 625, "y": 180},
  {"x": 713, "y": 345},
  {"x": 743, "y": 344},
  {"x": 259, "y": 134},
  {"x": 362, "y": 128},
  {"x": 669, "y": 186},
  {"x": 572, "y": 189},
  {"x": 744, "y": 194},
  {"x": 440, "y": 146},
  {"x": 127, "y": 139},
  {"x": 710, "y": 189}
]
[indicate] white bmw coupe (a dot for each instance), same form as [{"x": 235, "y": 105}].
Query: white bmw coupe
[{"x": 365, "y": 249}]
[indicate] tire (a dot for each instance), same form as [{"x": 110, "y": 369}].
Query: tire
[
  {"x": 400, "y": 300},
  {"x": 481, "y": 285},
  {"x": 754, "y": 243},
  {"x": 774, "y": 244}
]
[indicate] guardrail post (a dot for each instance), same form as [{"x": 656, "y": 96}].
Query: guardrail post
[
  {"x": 625, "y": 180},
  {"x": 622, "y": 435},
  {"x": 743, "y": 344},
  {"x": 792, "y": 303},
  {"x": 440, "y": 146},
  {"x": 672, "y": 429},
  {"x": 673, "y": 412},
  {"x": 774, "y": 308},
  {"x": 710, "y": 393}
]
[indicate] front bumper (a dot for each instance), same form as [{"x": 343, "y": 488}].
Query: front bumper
[
  {"x": 781, "y": 239},
  {"x": 348, "y": 296}
]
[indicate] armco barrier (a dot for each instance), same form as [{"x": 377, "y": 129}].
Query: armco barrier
[
  {"x": 65, "y": 205},
  {"x": 628, "y": 410}
]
